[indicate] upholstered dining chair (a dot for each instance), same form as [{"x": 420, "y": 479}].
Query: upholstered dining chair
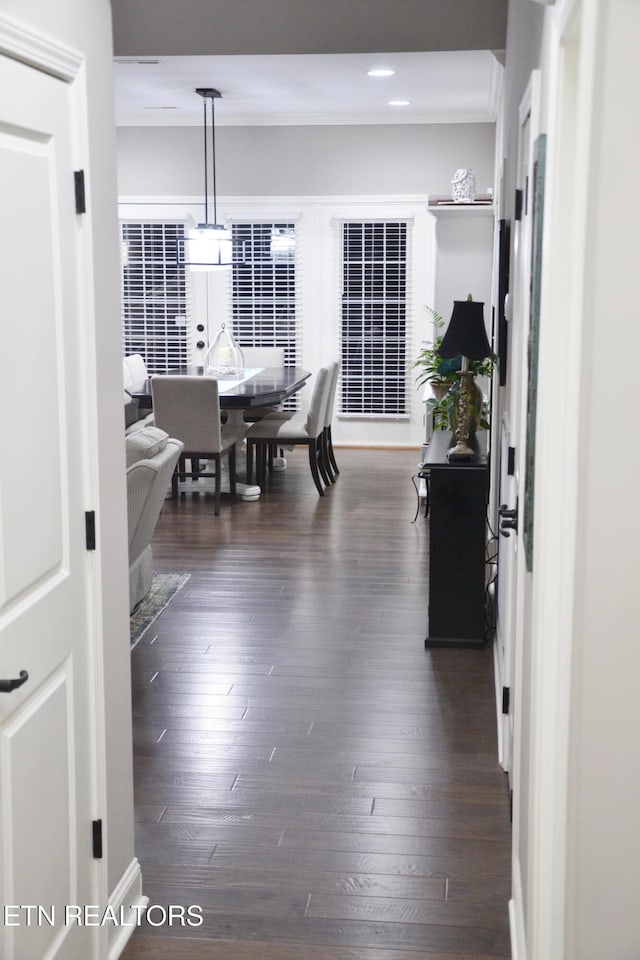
[
  {"x": 302, "y": 428},
  {"x": 263, "y": 356},
  {"x": 188, "y": 408},
  {"x": 330, "y": 469},
  {"x": 134, "y": 372},
  {"x": 137, "y": 367}
]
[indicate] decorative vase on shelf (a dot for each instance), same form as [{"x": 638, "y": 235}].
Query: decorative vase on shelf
[
  {"x": 463, "y": 186},
  {"x": 224, "y": 357}
]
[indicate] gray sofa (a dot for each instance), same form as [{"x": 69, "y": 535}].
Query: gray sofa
[{"x": 151, "y": 458}]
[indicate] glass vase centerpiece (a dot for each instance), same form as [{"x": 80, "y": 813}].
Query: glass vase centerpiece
[{"x": 224, "y": 357}]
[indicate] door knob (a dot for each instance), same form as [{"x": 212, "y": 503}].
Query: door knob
[
  {"x": 7, "y": 686},
  {"x": 508, "y": 519}
]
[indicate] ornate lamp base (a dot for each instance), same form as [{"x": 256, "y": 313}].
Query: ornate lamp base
[
  {"x": 467, "y": 418},
  {"x": 461, "y": 451}
]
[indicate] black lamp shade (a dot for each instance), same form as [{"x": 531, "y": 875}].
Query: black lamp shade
[{"x": 466, "y": 335}]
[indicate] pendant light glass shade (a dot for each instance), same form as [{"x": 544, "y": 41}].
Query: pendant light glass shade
[
  {"x": 283, "y": 245},
  {"x": 207, "y": 246}
]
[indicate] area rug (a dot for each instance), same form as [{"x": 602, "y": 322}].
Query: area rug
[{"x": 164, "y": 587}]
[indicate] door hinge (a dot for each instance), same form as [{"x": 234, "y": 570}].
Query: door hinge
[
  {"x": 96, "y": 829},
  {"x": 90, "y": 529},
  {"x": 81, "y": 204},
  {"x": 506, "y": 698},
  {"x": 511, "y": 461},
  {"x": 518, "y": 208}
]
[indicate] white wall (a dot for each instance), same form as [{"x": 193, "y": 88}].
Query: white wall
[
  {"x": 583, "y": 796},
  {"x": 604, "y": 784},
  {"x": 305, "y": 161},
  {"x": 464, "y": 259}
]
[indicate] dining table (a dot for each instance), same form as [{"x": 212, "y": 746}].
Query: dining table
[{"x": 248, "y": 389}]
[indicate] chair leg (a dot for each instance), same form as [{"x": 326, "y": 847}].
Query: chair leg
[
  {"x": 332, "y": 457},
  {"x": 325, "y": 456},
  {"x": 250, "y": 447},
  {"x": 262, "y": 465},
  {"x": 216, "y": 504},
  {"x": 321, "y": 461},
  {"x": 313, "y": 463},
  {"x": 232, "y": 473}
]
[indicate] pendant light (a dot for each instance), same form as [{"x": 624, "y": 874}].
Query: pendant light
[{"x": 207, "y": 246}]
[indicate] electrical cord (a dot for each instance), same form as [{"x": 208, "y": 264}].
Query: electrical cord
[
  {"x": 491, "y": 560},
  {"x": 421, "y": 476},
  {"x": 415, "y": 486}
]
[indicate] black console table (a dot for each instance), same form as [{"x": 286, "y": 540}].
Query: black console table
[{"x": 458, "y": 494}]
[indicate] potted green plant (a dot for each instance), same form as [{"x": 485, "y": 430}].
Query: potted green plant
[
  {"x": 434, "y": 369},
  {"x": 442, "y": 376}
]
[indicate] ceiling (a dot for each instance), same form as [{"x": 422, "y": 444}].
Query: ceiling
[
  {"x": 306, "y": 61},
  {"x": 442, "y": 87}
]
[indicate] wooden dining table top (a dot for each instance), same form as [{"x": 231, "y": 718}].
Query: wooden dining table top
[{"x": 268, "y": 385}]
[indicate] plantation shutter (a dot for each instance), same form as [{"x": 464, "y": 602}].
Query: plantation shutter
[
  {"x": 155, "y": 295},
  {"x": 264, "y": 287},
  {"x": 374, "y": 319}
]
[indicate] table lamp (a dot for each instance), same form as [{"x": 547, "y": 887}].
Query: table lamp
[{"x": 466, "y": 337}]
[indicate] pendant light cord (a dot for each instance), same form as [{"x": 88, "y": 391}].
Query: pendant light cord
[
  {"x": 213, "y": 159},
  {"x": 206, "y": 190},
  {"x": 208, "y": 93}
]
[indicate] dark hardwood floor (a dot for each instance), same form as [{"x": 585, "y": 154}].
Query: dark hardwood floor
[{"x": 305, "y": 772}]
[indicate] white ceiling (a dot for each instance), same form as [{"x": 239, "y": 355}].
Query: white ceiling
[{"x": 443, "y": 87}]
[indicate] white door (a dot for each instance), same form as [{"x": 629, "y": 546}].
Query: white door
[
  {"x": 511, "y": 564},
  {"x": 47, "y": 729}
]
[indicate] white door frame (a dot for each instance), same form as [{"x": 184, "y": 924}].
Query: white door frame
[
  {"x": 569, "y": 85},
  {"x": 19, "y": 42},
  {"x": 520, "y": 580},
  {"x": 513, "y": 428}
]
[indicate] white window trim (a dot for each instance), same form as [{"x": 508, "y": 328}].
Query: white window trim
[
  {"x": 339, "y": 224},
  {"x": 181, "y": 349}
]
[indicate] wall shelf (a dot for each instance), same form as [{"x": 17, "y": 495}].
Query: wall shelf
[{"x": 441, "y": 207}]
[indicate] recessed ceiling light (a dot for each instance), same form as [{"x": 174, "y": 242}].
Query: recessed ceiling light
[
  {"x": 399, "y": 103},
  {"x": 380, "y": 72}
]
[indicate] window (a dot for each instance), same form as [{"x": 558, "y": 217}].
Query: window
[
  {"x": 155, "y": 295},
  {"x": 374, "y": 319},
  {"x": 263, "y": 287}
]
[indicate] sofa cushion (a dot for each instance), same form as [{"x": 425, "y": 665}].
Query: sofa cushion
[{"x": 144, "y": 444}]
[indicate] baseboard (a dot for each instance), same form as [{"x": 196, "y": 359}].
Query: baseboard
[
  {"x": 516, "y": 917},
  {"x": 126, "y": 895},
  {"x": 497, "y": 681},
  {"x": 376, "y": 446}
]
